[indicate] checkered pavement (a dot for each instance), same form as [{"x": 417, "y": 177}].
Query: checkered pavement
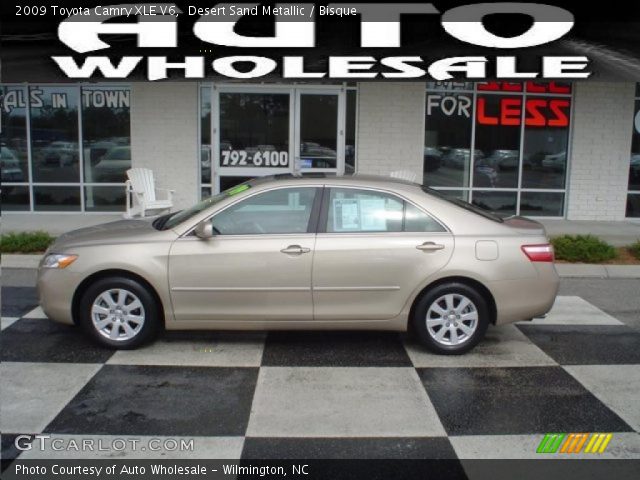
[{"x": 290, "y": 395}]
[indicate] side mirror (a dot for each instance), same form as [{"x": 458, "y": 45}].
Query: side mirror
[{"x": 204, "y": 230}]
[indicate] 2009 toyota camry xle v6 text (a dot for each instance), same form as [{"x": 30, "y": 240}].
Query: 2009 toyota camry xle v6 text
[{"x": 287, "y": 252}]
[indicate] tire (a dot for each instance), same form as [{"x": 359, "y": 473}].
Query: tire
[
  {"x": 468, "y": 318},
  {"x": 135, "y": 324}
]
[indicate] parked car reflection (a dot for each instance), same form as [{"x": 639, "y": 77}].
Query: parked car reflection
[
  {"x": 113, "y": 165},
  {"x": 432, "y": 159},
  {"x": 11, "y": 171},
  {"x": 555, "y": 162},
  {"x": 59, "y": 154}
]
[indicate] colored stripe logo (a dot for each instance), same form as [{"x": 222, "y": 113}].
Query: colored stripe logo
[{"x": 574, "y": 443}]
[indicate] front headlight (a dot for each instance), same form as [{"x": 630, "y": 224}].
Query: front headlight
[{"x": 58, "y": 260}]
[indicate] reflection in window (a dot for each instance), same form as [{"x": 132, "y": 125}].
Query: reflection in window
[
  {"x": 205, "y": 135},
  {"x": 633, "y": 205},
  {"x": 633, "y": 199},
  {"x": 507, "y": 154},
  {"x": 55, "y": 153},
  {"x": 350, "y": 134},
  {"x": 496, "y": 159},
  {"x": 545, "y": 143},
  {"x": 254, "y": 130},
  {"x": 318, "y": 131},
  {"x": 13, "y": 137},
  {"x": 106, "y": 134},
  {"x": 415, "y": 220},
  {"x": 56, "y": 199},
  {"x": 541, "y": 204},
  {"x": 502, "y": 203},
  {"x": 281, "y": 211},
  {"x": 15, "y": 198},
  {"x": 56, "y": 115},
  {"x": 104, "y": 199},
  {"x": 447, "y": 150}
]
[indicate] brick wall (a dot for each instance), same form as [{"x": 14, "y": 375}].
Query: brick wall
[
  {"x": 164, "y": 136},
  {"x": 390, "y": 127},
  {"x": 600, "y": 150}
]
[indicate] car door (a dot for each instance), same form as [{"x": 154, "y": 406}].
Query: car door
[
  {"x": 256, "y": 267},
  {"x": 372, "y": 250}
]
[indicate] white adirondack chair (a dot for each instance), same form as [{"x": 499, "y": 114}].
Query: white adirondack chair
[
  {"x": 141, "y": 193},
  {"x": 404, "y": 175}
]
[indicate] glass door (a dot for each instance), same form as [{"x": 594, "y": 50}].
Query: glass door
[
  {"x": 267, "y": 130},
  {"x": 251, "y": 132},
  {"x": 319, "y": 131}
]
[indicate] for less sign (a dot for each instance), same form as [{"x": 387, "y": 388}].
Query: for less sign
[{"x": 507, "y": 110}]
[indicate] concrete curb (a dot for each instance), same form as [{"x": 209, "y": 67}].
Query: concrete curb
[
  {"x": 580, "y": 270},
  {"x": 565, "y": 270},
  {"x": 20, "y": 261}
]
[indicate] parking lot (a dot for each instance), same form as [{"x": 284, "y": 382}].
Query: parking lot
[{"x": 325, "y": 395}]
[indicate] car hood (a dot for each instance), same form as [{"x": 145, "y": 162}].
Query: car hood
[{"x": 121, "y": 231}]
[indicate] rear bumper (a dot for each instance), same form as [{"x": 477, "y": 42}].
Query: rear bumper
[{"x": 523, "y": 299}]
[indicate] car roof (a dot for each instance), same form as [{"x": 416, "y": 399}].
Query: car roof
[{"x": 359, "y": 179}]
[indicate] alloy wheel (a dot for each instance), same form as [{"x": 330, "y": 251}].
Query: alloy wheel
[
  {"x": 118, "y": 314},
  {"x": 452, "y": 319}
]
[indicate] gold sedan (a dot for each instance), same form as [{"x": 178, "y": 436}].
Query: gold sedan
[{"x": 287, "y": 252}]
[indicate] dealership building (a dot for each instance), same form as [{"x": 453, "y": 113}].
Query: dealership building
[{"x": 549, "y": 150}]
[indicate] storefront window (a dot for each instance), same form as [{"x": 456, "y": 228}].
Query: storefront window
[
  {"x": 54, "y": 172},
  {"x": 515, "y": 135},
  {"x": 106, "y": 134},
  {"x": 13, "y": 140},
  {"x": 447, "y": 153},
  {"x": 496, "y": 157},
  {"x": 633, "y": 198},
  {"x": 350, "y": 133},
  {"x": 254, "y": 130},
  {"x": 205, "y": 135},
  {"x": 546, "y": 139},
  {"x": 55, "y": 153}
]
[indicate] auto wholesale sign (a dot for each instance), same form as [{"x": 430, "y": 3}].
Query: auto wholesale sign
[
  {"x": 442, "y": 41},
  {"x": 294, "y": 28}
]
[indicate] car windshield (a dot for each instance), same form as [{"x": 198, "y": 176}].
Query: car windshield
[
  {"x": 171, "y": 220},
  {"x": 467, "y": 206}
]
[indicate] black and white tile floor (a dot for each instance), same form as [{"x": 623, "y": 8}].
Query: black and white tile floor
[{"x": 323, "y": 395}]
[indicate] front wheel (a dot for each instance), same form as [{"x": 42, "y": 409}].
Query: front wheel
[
  {"x": 451, "y": 319},
  {"x": 119, "y": 312}
]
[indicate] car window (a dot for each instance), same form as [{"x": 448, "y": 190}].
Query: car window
[
  {"x": 352, "y": 210},
  {"x": 355, "y": 210},
  {"x": 415, "y": 220},
  {"x": 282, "y": 211}
]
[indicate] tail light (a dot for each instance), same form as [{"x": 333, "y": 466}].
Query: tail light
[{"x": 539, "y": 253}]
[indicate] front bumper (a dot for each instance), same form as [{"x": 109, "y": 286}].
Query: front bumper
[{"x": 56, "y": 288}]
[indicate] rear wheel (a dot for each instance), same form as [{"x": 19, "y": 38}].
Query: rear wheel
[
  {"x": 119, "y": 312},
  {"x": 451, "y": 318}
]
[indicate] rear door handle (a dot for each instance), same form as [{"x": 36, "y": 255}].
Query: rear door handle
[
  {"x": 430, "y": 247},
  {"x": 295, "y": 250}
]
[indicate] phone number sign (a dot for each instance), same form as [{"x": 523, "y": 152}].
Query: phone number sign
[{"x": 254, "y": 158}]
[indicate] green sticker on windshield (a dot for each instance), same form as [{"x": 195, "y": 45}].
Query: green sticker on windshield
[{"x": 238, "y": 189}]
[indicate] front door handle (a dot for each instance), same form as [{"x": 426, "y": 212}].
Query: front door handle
[
  {"x": 295, "y": 250},
  {"x": 430, "y": 247}
]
